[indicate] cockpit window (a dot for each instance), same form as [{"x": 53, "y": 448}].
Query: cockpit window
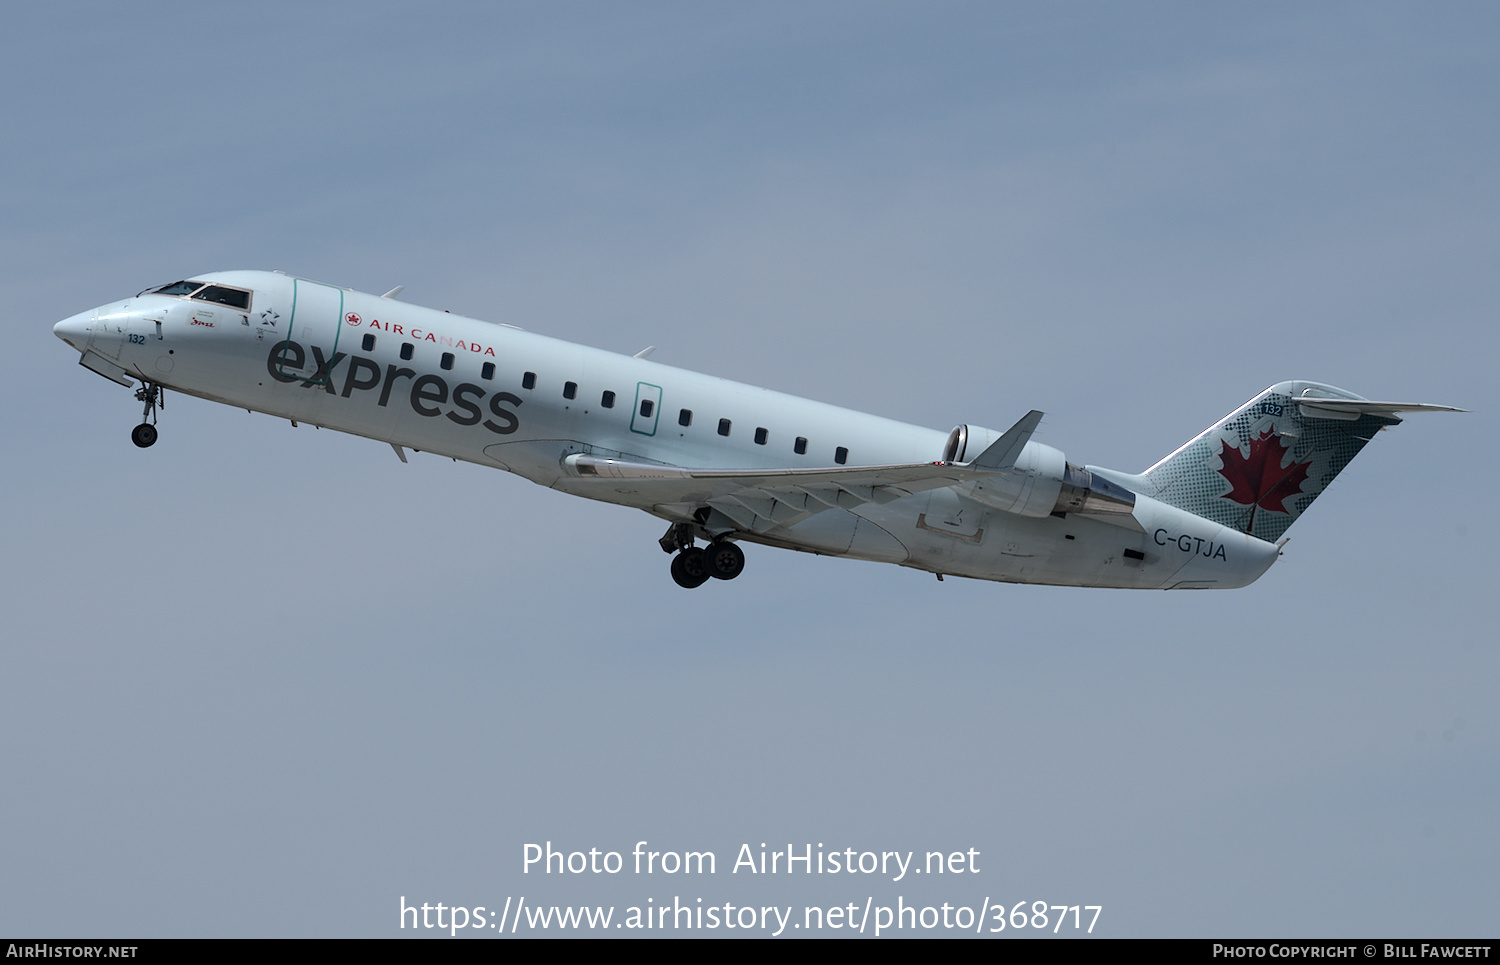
[
  {"x": 179, "y": 288},
  {"x": 222, "y": 296}
]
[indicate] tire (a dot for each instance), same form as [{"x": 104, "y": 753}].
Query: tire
[
  {"x": 144, "y": 435},
  {"x": 687, "y": 568},
  {"x": 723, "y": 560}
]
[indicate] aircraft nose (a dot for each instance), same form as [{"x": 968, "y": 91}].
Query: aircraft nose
[{"x": 75, "y": 329}]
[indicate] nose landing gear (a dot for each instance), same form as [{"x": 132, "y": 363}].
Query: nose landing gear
[{"x": 144, "y": 435}]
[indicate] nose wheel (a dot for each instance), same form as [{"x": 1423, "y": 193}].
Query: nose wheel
[{"x": 151, "y": 394}]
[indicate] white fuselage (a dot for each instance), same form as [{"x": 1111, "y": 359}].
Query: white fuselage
[{"x": 498, "y": 396}]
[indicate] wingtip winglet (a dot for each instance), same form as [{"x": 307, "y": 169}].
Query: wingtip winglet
[{"x": 1003, "y": 452}]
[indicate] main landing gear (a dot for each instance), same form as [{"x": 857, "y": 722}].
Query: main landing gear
[
  {"x": 688, "y": 569},
  {"x": 693, "y": 567},
  {"x": 723, "y": 560},
  {"x": 144, "y": 435}
]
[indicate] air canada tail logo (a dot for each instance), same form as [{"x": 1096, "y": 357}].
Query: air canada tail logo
[{"x": 1258, "y": 479}]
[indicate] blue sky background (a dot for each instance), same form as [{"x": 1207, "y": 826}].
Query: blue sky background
[{"x": 264, "y": 681}]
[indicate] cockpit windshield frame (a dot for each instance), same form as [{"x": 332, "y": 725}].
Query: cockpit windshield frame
[
  {"x": 226, "y": 295},
  {"x": 182, "y": 289},
  {"x": 230, "y": 296}
]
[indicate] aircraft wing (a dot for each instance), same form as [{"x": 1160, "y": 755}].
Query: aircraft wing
[{"x": 760, "y": 500}]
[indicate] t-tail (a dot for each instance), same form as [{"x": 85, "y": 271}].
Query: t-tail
[{"x": 1259, "y": 468}]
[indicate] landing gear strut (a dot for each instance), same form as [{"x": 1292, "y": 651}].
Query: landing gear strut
[
  {"x": 144, "y": 435},
  {"x": 693, "y": 567}
]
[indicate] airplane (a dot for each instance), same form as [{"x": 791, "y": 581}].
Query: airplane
[{"x": 723, "y": 462}]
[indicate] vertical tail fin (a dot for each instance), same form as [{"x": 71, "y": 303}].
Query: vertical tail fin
[{"x": 1259, "y": 468}]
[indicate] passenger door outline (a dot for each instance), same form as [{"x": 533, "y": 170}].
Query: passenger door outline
[{"x": 638, "y": 422}]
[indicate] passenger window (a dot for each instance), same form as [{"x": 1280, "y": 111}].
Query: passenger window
[
  {"x": 841, "y": 455},
  {"x": 800, "y": 446},
  {"x": 367, "y": 344},
  {"x": 647, "y": 407},
  {"x": 570, "y": 390},
  {"x": 760, "y": 436},
  {"x": 528, "y": 381},
  {"x": 406, "y": 351},
  {"x": 607, "y": 400},
  {"x": 724, "y": 427},
  {"x": 447, "y": 361},
  {"x": 685, "y": 417},
  {"x": 487, "y": 372}
]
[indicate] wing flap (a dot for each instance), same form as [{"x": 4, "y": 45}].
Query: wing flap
[{"x": 759, "y": 500}]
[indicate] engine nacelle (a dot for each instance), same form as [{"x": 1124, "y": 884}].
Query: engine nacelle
[
  {"x": 963, "y": 437},
  {"x": 1041, "y": 483},
  {"x": 1085, "y": 492}
]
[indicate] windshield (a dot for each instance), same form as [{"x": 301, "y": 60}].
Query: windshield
[
  {"x": 224, "y": 296},
  {"x": 178, "y": 288}
]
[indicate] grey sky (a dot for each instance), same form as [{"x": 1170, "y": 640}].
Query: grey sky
[{"x": 265, "y": 681}]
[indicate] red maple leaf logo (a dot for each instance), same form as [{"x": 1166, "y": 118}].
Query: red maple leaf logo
[{"x": 1259, "y": 479}]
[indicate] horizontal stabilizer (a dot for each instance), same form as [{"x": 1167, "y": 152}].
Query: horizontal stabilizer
[
  {"x": 1003, "y": 453},
  {"x": 1351, "y": 409}
]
